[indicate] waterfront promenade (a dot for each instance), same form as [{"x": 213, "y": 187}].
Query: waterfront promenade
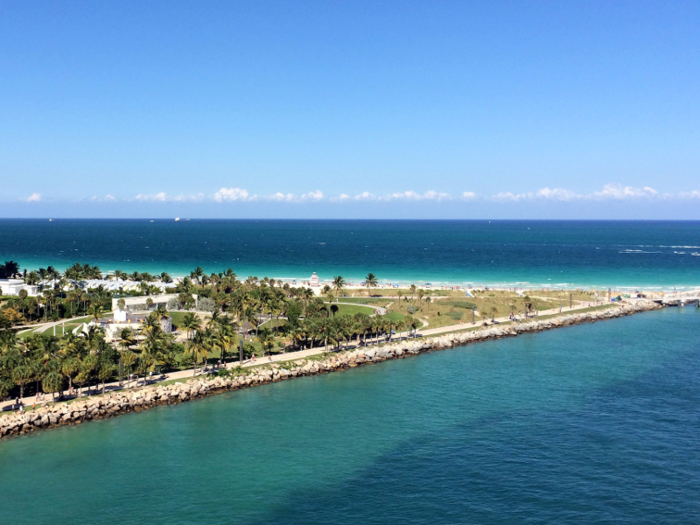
[{"x": 183, "y": 375}]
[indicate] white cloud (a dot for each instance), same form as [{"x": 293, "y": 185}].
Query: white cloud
[
  {"x": 313, "y": 196},
  {"x": 232, "y": 194},
  {"x": 34, "y": 197},
  {"x": 507, "y": 196},
  {"x": 619, "y": 192},
  {"x": 413, "y": 196},
  {"x": 609, "y": 191},
  {"x": 343, "y": 197},
  {"x": 557, "y": 194},
  {"x": 281, "y": 197},
  {"x": 365, "y": 196},
  {"x": 154, "y": 197},
  {"x": 197, "y": 197}
]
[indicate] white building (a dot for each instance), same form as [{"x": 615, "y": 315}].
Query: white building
[
  {"x": 313, "y": 281},
  {"x": 13, "y": 287},
  {"x": 138, "y": 304}
]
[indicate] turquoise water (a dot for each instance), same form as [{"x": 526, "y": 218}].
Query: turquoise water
[
  {"x": 593, "y": 423},
  {"x": 531, "y": 253}
]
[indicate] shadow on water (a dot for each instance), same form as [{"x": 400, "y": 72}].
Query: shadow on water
[{"x": 628, "y": 455}]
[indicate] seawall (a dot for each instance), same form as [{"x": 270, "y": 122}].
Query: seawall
[{"x": 112, "y": 404}]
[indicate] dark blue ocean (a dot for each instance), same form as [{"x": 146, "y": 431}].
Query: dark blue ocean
[
  {"x": 597, "y": 423},
  {"x": 532, "y": 253}
]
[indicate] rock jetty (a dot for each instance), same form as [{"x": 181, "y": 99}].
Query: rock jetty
[{"x": 136, "y": 400}]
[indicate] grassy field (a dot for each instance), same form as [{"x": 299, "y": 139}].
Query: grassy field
[
  {"x": 366, "y": 300},
  {"x": 274, "y": 323},
  {"x": 352, "y": 309},
  {"x": 455, "y": 307},
  {"x": 177, "y": 318},
  {"x": 70, "y": 325}
]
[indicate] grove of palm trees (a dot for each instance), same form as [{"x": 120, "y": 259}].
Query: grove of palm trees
[
  {"x": 242, "y": 318},
  {"x": 235, "y": 319}
]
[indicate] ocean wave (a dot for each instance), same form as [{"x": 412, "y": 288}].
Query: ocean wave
[
  {"x": 636, "y": 251},
  {"x": 664, "y": 246}
]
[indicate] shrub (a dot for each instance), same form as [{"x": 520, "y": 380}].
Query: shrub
[
  {"x": 457, "y": 316},
  {"x": 206, "y": 305},
  {"x": 460, "y": 304},
  {"x": 411, "y": 309},
  {"x": 173, "y": 304}
]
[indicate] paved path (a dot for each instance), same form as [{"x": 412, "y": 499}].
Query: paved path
[{"x": 182, "y": 374}]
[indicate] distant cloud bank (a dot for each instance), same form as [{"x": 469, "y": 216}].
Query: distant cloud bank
[{"x": 609, "y": 192}]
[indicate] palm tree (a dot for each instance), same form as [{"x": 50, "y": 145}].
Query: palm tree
[
  {"x": 266, "y": 340},
  {"x": 42, "y": 275},
  {"x": 156, "y": 349},
  {"x": 330, "y": 298},
  {"x": 420, "y": 294},
  {"x": 412, "y": 289},
  {"x": 52, "y": 383},
  {"x": 126, "y": 339},
  {"x": 96, "y": 313},
  {"x": 306, "y": 296},
  {"x": 191, "y": 323},
  {"x": 23, "y": 297},
  {"x": 371, "y": 281},
  {"x": 198, "y": 350},
  {"x": 160, "y": 312},
  {"x": 338, "y": 285},
  {"x": 9, "y": 270},
  {"x": 69, "y": 367},
  {"x": 226, "y": 336},
  {"x": 197, "y": 275},
  {"x": 22, "y": 374}
]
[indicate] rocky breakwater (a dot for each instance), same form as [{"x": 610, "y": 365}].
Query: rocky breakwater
[{"x": 124, "y": 401}]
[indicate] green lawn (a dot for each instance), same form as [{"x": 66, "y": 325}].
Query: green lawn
[
  {"x": 177, "y": 317},
  {"x": 274, "y": 323},
  {"x": 351, "y": 309}
]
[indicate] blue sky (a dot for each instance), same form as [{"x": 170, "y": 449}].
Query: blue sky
[{"x": 343, "y": 109}]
